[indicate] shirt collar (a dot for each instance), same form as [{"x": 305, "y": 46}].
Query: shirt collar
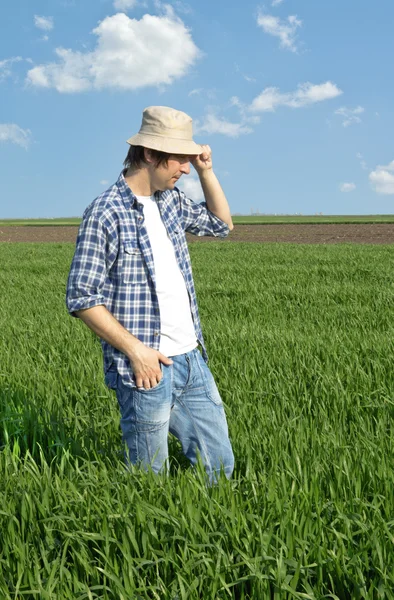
[{"x": 126, "y": 194}]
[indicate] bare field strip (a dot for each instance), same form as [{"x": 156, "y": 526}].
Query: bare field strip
[
  {"x": 361, "y": 233},
  {"x": 255, "y": 219}
]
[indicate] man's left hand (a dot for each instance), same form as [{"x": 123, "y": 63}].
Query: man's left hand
[{"x": 203, "y": 162}]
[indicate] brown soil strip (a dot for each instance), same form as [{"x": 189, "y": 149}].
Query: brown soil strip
[{"x": 374, "y": 233}]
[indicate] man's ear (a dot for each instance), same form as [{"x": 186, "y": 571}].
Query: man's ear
[{"x": 148, "y": 156}]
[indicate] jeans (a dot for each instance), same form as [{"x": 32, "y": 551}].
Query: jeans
[{"x": 187, "y": 403}]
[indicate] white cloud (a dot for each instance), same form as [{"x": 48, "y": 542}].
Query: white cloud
[
  {"x": 9, "y": 132},
  {"x": 305, "y": 94},
  {"x": 124, "y": 5},
  {"x": 350, "y": 115},
  {"x": 208, "y": 93},
  {"x": 183, "y": 7},
  {"x": 284, "y": 30},
  {"x": 45, "y": 23},
  {"x": 362, "y": 161},
  {"x": 5, "y": 66},
  {"x": 347, "y": 187},
  {"x": 213, "y": 124},
  {"x": 308, "y": 93},
  {"x": 235, "y": 101},
  {"x": 276, "y": 2},
  {"x": 192, "y": 187},
  {"x": 246, "y": 77},
  {"x": 382, "y": 179},
  {"x": 104, "y": 182},
  {"x": 268, "y": 100},
  {"x": 243, "y": 111},
  {"x": 129, "y": 54}
]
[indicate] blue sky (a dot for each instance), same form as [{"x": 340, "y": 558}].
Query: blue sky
[{"x": 295, "y": 99}]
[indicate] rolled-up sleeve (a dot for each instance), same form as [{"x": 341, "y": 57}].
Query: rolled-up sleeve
[
  {"x": 199, "y": 220},
  {"x": 88, "y": 268}
]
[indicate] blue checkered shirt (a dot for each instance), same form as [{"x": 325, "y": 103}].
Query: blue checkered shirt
[{"x": 113, "y": 263}]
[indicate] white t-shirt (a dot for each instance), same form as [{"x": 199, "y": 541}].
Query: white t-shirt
[{"x": 177, "y": 334}]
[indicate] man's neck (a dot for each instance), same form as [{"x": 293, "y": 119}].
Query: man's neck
[{"x": 139, "y": 182}]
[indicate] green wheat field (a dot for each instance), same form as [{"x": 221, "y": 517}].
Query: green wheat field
[{"x": 301, "y": 344}]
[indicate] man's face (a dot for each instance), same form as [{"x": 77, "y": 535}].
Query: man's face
[{"x": 166, "y": 177}]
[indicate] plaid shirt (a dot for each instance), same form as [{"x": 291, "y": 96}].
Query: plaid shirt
[{"x": 113, "y": 263}]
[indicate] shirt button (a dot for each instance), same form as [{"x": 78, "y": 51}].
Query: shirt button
[{"x": 156, "y": 333}]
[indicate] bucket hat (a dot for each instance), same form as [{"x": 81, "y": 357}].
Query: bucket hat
[{"x": 166, "y": 129}]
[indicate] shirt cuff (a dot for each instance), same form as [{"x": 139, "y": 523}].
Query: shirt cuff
[
  {"x": 219, "y": 227},
  {"x": 76, "y": 304}
]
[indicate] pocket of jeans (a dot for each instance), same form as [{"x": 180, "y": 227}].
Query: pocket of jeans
[
  {"x": 133, "y": 264},
  {"x": 209, "y": 381}
]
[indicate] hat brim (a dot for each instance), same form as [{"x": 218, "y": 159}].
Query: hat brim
[{"x": 166, "y": 144}]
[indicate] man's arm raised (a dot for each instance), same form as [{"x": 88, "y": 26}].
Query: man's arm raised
[{"x": 213, "y": 193}]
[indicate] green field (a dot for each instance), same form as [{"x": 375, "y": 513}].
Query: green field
[
  {"x": 240, "y": 220},
  {"x": 301, "y": 342},
  {"x": 40, "y": 222}
]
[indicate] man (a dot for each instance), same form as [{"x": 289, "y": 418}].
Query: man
[{"x": 131, "y": 282}]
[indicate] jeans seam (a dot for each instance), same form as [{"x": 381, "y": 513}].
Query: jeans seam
[
  {"x": 146, "y": 436},
  {"x": 200, "y": 438},
  {"x": 172, "y": 402},
  {"x": 153, "y": 425},
  {"x": 206, "y": 384}
]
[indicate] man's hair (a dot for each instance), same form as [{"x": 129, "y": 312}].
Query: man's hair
[{"x": 135, "y": 157}]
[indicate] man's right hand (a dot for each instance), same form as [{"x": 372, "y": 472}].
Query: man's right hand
[{"x": 145, "y": 362}]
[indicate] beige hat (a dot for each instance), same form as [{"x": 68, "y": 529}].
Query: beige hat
[{"x": 166, "y": 129}]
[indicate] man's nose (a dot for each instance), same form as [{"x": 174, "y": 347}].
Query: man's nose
[{"x": 185, "y": 168}]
